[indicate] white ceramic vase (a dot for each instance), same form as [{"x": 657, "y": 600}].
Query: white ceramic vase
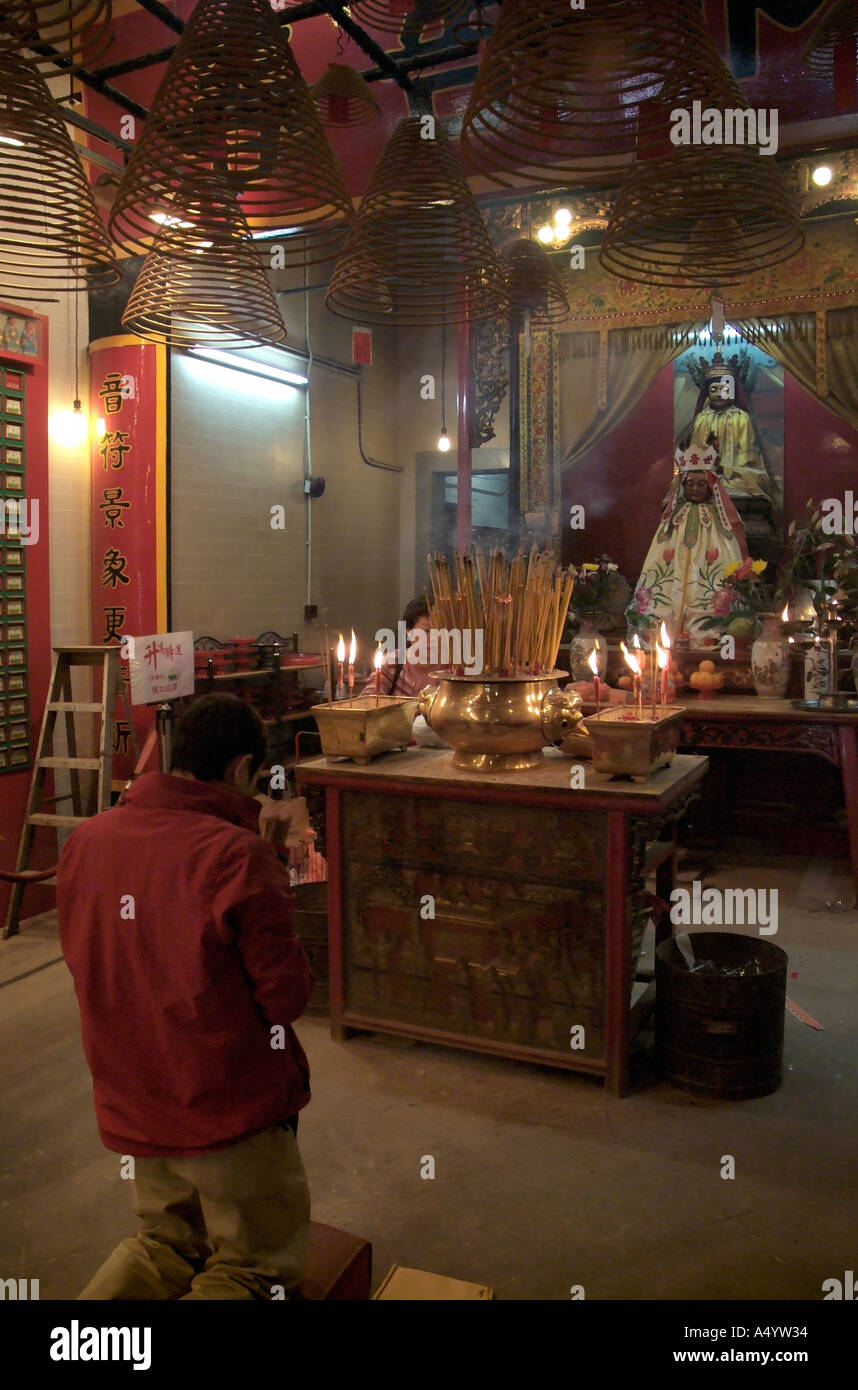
[
  {"x": 770, "y": 658},
  {"x": 582, "y": 644}
]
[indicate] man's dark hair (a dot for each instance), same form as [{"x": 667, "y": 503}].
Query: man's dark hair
[
  {"x": 213, "y": 731},
  {"x": 417, "y": 608}
]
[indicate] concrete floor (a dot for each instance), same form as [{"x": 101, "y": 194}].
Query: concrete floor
[{"x": 542, "y": 1181}]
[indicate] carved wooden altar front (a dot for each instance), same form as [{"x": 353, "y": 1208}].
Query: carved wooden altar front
[{"x": 502, "y": 914}]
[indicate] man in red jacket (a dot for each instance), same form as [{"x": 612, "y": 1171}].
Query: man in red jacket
[{"x": 175, "y": 921}]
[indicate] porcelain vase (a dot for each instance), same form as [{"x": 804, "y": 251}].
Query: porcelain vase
[
  {"x": 770, "y": 658},
  {"x": 581, "y": 646}
]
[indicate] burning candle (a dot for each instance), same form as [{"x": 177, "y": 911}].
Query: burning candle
[
  {"x": 785, "y": 614},
  {"x": 640, "y": 654},
  {"x": 665, "y": 667},
  {"x": 593, "y": 663},
  {"x": 631, "y": 660},
  {"x": 341, "y": 656},
  {"x": 653, "y": 666},
  {"x": 352, "y": 655},
  {"x": 378, "y": 662}
]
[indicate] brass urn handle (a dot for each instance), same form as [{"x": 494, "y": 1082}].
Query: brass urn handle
[
  {"x": 425, "y": 701},
  {"x": 562, "y": 723}
]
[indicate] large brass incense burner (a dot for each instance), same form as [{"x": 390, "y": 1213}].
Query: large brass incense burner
[{"x": 502, "y": 723}]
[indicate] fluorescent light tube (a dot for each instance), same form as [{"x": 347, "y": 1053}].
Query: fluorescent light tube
[{"x": 240, "y": 364}]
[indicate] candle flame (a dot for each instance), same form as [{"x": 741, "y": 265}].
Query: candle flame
[
  {"x": 665, "y": 637},
  {"x": 593, "y": 662},
  {"x": 640, "y": 654},
  {"x": 662, "y": 655},
  {"x": 630, "y": 660},
  {"x": 352, "y": 649},
  {"x": 378, "y": 659},
  {"x": 785, "y": 614},
  {"x": 341, "y": 649}
]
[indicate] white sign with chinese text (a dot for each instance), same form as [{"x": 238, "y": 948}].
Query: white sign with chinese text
[{"x": 161, "y": 666}]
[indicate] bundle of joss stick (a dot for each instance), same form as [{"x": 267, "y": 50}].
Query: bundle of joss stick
[{"x": 520, "y": 607}]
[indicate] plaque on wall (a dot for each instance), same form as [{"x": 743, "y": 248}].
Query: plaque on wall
[{"x": 18, "y": 333}]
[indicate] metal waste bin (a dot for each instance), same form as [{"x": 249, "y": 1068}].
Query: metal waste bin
[{"x": 716, "y": 1035}]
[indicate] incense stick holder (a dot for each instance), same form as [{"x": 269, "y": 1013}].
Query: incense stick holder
[
  {"x": 627, "y": 747},
  {"x": 500, "y": 724},
  {"x": 359, "y": 730}
]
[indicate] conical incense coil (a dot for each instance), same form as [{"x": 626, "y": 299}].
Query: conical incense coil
[
  {"x": 191, "y": 293},
  {"x": 233, "y": 103},
  {"x": 51, "y": 235},
  {"x": 390, "y": 15},
  {"x": 533, "y": 283},
  {"x": 344, "y": 98},
  {"x": 559, "y": 91},
  {"x": 839, "y": 29},
  {"x": 419, "y": 239},
  {"x": 76, "y": 30},
  {"x": 702, "y": 215}
]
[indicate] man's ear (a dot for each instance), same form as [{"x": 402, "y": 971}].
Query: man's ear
[{"x": 237, "y": 772}]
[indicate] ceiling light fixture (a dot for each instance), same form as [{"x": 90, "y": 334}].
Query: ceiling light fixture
[
  {"x": 822, "y": 175},
  {"x": 238, "y": 364}
]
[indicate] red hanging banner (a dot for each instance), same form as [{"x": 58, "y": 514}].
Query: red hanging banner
[{"x": 128, "y": 526}]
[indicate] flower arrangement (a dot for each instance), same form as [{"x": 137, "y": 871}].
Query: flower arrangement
[
  {"x": 597, "y": 590},
  {"x": 739, "y": 599}
]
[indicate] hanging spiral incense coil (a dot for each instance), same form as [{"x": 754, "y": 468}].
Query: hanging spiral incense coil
[
  {"x": 76, "y": 30},
  {"x": 189, "y": 292},
  {"x": 344, "y": 98},
  {"x": 419, "y": 241},
  {"x": 390, "y": 15},
  {"x": 233, "y": 103},
  {"x": 838, "y": 28},
  {"x": 559, "y": 91},
  {"x": 701, "y": 215},
  {"x": 533, "y": 283},
  {"x": 51, "y": 236}
]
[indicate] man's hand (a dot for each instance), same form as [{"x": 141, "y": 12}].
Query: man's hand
[{"x": 286, "y": 826}]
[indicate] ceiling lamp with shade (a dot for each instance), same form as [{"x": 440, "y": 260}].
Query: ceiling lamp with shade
[
  {"x": 419, "y": 252},
  {"x": 233, "y": 104},
  {"x": 51, "y": 235}
]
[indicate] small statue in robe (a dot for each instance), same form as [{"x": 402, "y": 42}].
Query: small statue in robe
[
  {"x": 699, "y": 534},
  {"x": 720, "y": 423}
]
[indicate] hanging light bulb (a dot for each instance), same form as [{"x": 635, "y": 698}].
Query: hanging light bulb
[
  {"x": 444, "y": 440},
  {"x": 546, "y": 234},
  {"x": 69, "y": 428}
]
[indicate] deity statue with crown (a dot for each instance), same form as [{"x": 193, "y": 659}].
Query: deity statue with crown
[
  {"x": 699, "y": 535},
  {"x": 722, "y": 422}
]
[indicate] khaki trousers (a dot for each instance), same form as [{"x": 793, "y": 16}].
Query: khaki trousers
[{"x": 228, "y": 1224}]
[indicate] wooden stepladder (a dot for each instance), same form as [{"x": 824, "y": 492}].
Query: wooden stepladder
[{"x": 61, "y": 701}]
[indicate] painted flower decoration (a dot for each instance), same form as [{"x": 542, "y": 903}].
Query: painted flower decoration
[
  {"x": 643, "y": 599},
  {"x": 667, "y": 556},
  {"x": 712, "y": 554}
]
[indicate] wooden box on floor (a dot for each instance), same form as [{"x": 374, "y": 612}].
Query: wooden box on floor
[
  {"x": 339, "y": 1265},
  {"x": 418, "y": 1285}
]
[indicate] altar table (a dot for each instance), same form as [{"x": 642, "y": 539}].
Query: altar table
[
  {"x": 751, "y": 722},
  {"x": 499, "y": 912}
]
